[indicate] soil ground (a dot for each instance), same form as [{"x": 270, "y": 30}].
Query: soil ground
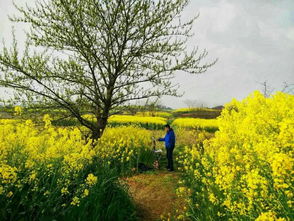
[{"x": 154, "y": 194}]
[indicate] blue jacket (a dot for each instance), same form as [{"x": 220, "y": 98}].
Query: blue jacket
[{"x": 169, "y": 139}]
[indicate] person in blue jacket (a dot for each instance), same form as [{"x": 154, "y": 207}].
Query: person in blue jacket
[{"x": 170, "y": 141}]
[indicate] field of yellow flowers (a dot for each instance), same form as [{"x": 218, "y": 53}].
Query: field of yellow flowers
[
  {"x": 246, "y": 172},
  {"x": 148, "y": 120},
  {"x": 193, "y": 109},
  {"x": 237, "y": 167},
  {"x": 155, "y": 114},
  {"x": 210, "y": 125},
  {"x": 53, "y": 172},
  {"x": 143, "y": 121}
]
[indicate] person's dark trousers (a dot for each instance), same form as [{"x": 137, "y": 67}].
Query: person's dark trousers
[{"x": 169, "y": 156}]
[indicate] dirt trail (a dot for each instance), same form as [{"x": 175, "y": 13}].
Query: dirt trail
[{"x": 155, "y": 194}]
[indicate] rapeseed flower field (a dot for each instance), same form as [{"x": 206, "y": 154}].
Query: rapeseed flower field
[
  {"x": 55, "y": 172},
  {"x": 246, "y": 171},
  {"x": 122, "y": 147},
  {"x": 210, "y": 125},
  {"x": 147, "y": 122},
  {"x": 236, "y": 167},
  {"x": 155, "y": 114},
  {"x": 193, "y": 109}
]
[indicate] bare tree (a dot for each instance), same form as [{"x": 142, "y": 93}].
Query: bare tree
[
  {"x": 190, "y": 103},
  {"x": 95, "y": 55},
  {"x": 268, "y": 90},
  {"x": 288, "y": 88}
]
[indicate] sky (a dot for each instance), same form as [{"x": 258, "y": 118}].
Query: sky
[{"x": 253, "y": 41}]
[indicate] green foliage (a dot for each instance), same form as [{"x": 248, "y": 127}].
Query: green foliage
[{"x": 108, "y": 200}]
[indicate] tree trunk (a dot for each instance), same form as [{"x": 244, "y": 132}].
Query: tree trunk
[
  {"x": 102, "y": 118},
  {"x": 97, "y": 132}
]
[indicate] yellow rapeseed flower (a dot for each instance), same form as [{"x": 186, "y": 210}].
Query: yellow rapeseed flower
[{"x": 91, "y": 179}]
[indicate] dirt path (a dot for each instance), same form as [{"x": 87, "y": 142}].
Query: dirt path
[{"x": 155, "y": 194}]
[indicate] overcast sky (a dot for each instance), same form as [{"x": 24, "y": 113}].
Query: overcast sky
[{"x": 253, "y": 40}]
